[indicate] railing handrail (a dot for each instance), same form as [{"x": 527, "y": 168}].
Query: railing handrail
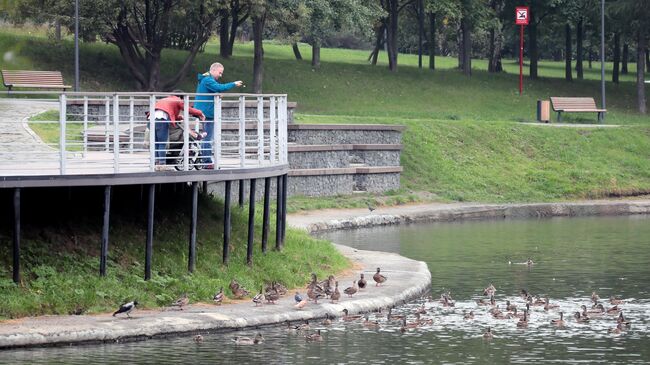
[{"x": 138, "y": 93}]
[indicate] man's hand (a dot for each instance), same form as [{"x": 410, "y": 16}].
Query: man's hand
[
  {"x": 202, "y": 116},
  {"x": 239, "y": 83}
]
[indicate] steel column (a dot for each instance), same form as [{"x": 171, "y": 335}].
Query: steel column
[
  {"x": 265, "y": 219},
  {"x": 192, "y": 254},
  {"x": 251, "y": 223},
  {"x": 107, "y": 215},
  {"x": 226, "y": 223},
  {"x": 278, "y": 214},
  {"x": 149, "y": 247},
  {"x": 241, "y": 193},
  {"x": 284, "y": 208},
  {"x": 16, "y": 249}
]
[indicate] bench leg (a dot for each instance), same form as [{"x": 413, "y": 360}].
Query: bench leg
[
  {"x": 559, "y": 117},
  {"x": 600, "y": 117}
]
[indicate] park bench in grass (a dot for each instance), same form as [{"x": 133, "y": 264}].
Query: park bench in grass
[
  {"x": 33, "y": 79},
  {"x": 575, "y": 105}
]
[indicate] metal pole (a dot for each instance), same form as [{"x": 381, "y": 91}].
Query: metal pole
[
  {"x": 284, "y": 207},
  {"x": 278, "y": 213},
  {"x": 521, "y": 59},
  {"x": 420, "y": 8},
  {"x": 107, "y": 215},
  {"x": 251, "y": 224},
  {"x": 602, "y": 56},
  {"x": 226, "y": 223},
  {"x": 16, "y": 266},
  {"x": 76, "y": 45},
  {"x": 241, "y": 193},
  {"x": 192, "y": 255},
  {"x": 149, "y": 247},
  {"x": 265, "y": 219}
]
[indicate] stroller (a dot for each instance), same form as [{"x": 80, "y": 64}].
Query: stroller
[{"x": 176, "y": 149}]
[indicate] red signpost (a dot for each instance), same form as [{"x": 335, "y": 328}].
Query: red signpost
[{"x": 522, "y": 16}]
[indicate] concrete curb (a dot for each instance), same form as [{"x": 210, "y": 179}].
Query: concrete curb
[
  {"x": 456, "y": 212},
  {"x": 408, "y": 279}
]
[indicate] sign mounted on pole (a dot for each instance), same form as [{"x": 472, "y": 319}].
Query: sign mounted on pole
[{"x": 522, "y": 17}]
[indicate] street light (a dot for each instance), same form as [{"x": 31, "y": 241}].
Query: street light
[
  {"x": 76, "y": 45},
  {"x": 602, "y": 54}
]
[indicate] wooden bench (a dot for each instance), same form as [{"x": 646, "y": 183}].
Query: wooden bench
[
  {"x": 575, "y": 105},
  {"x": 33, "y": 79}
]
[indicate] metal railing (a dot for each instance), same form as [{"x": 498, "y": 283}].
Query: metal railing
[{"x": 112, "y": 133}]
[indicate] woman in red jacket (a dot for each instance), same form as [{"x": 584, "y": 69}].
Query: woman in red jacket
[{"x": 168, "y": 111}]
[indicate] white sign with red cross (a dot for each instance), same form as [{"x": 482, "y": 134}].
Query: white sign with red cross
[{"x": 522, "y": 15}]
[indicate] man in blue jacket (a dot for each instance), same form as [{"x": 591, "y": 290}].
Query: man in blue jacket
[{"x": 208, "y": 84}]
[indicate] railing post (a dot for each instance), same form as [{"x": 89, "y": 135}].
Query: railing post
[
  {"x": 282, "y": 128},
  {"x": 260, "y": 130},
  {"x": 216, "y": 145},
  {"x": 152, "y": 133},
  {"x": 272, "y": 126},
  {"x": 116, "y": 134},
  {"x": 131, "y": 126},
  {"x": 242, "y": 131},
  {"x": 62, "y": 125},
  {"x": 85, "y": 127},
  {"x": 107, "y": 121},
  {"x": 186, "y": 133}
]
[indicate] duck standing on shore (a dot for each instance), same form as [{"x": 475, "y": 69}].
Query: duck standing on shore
[
  {"x": 336, "y": 295},
  {"x": 218, "y": 297},
  {"x": 257, "y": 299},
  {"x": 362, "y": 282},
  {"x": 181, "y": 302},
  {"x": 379, "y": 278},
  {"x": 126, "y": 308},
  {"x": 351, "y": 290}
]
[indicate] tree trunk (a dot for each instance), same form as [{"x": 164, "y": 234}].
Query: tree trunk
[
  {"x": 432, "y": 41},
  {"x": 258, "y": 58},
  {"x": 532, "y": 46},
  {"x": 617, "y": 56},
  {"x": 591, "y": 57},
  {"x": 315, "y": 54},
  {"x": 494, "y": 64},
  {"x": 379, "y": 41},
  {"x": 626, "y": 55},
  {"x": 647, "y": 60},
  {"x": 467, "y": 47},
  {"x": 57, "y": 30},
  {"x": 296, "y": 51},
  {"x": 391, "y": 34},
  {"x": 234, "y": 24},
  {"x": 459, "y": 37},
  {"x": 579, "y": 70},
  {"x": 224, "y": 36},
  {"x": 420, "y": 8},
  {"x": 640, "y": 67},
  {"x": 568, "y": 72}
]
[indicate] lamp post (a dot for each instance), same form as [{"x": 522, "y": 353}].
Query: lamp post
[
  {"x": 76, "y": 45},
  {"x": 602, "y": 54}
]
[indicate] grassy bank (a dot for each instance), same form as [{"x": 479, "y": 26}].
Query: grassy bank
[{"x": 60, "y": 257}]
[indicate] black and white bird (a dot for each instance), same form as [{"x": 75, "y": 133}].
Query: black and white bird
[
  {"x": 126, "y": 308},
  {"x": 370, "y": 207},
  {"x": 218, "y": 298}
]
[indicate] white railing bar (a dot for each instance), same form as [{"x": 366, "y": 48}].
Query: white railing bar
[
  {"x": 85, "y": 125},
  {"x": 216, "y": 147},
  {"x": 272, "y": 127},
  {"x": 260, "y": 129},
  {"x": 107, "y": 121},
  {"x": 131, "y": 122},
  {"x": 62, "y": 117},
  {"x": 242, "y": 129},
  {"x": 186, "y": 134},
  {"x": 152, "y": 133},
  {"x": 116, "y": 133}
]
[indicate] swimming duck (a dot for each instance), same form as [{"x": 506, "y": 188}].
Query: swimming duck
[
  {"x": 249, "y": 341},
  {"x": 490, "y": 290},
  {"x": 615, "y": 301},
  {"x": 488, "y": 334},
  {"x": 510, "y": 307},
  {"x": 370, "y": 324},
  {"x": 257, "y": 299},
  {"x": 327, "y": 321},
  {"x": 613, "y": 310},
  {"x": 516, "y": 314},
  {"x": 548, "y": 306},
  {"x": 336, "y": 295},
  {"x": 596, "y": 309},
  {"x": 523, "y": 322},
  {"x": 394, "y": 317},
  {"x": 351, "y": 290},
  {"x": 617, "y": 330},
  {"x": 423, "y": 321},
  {"x": 594, "y": 297},
  {"x": 379, "y": 278},
  {"x": 407, "y": 326},
  {"x": 198, "y": 339},
  {"x": 558, "y": 322},
  {"x": 580, "y": 318},
  {"x": 362, "y": 282},
  {"x": 347, "y": 317},
  {"x": 181, "y": 302},
  {"x": 447, "y": 302},
  {"x": 622, "y": 320},
  {"x": 529, "y": 262},
  {"x": 218, "y": 297},
  {"x": 495, "y": 310},
  {"x": 421, "y": 310},
  {"x": 524, "y": 294},
  {"x": 468, "y": 316},
  {"x": 539, "y": 301},
  {"x": 314, "y": 337}
]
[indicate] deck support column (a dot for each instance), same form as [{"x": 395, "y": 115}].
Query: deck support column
[
  {"x": 278, "y": 214},
  {"x": 265, "y": 219},
  {"x": 204, "y": 188},
  {"x": 241, "y": 193},
  {"x": 16, "y": 248},
  {"x": 192, "y": 254},
  {"x": 149, "y": 246},
  {"x": 284, "y": 207},
  {"x": 107, "y": 215},
  {"x": 251, "y": 223},
  {"x": 226, "y": 223}
]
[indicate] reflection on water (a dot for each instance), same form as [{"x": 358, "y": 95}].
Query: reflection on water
[{"x": 573, "y": 257}]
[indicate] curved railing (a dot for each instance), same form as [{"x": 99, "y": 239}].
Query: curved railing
[{"x": 111, "y": 133}]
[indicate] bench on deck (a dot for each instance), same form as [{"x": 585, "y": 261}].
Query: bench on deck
[
  {"x": 576, "y": 105},
  {"x": 33, "y": 79}
]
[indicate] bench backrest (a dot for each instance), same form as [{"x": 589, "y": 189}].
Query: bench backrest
[
  {"x": 20, "y": 77},
  {"x": 561, "y": 103}
]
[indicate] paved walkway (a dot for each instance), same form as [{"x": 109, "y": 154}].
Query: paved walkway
[
  {"x": 15, "y": 136},
  {"x": 407, "y": 279}
]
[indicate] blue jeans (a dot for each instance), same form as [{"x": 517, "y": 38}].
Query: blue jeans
[
  {"x": 162, "y": 137},
  {"x": 206, "y": 145}
]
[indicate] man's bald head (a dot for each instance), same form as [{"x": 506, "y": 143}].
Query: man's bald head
[{"x": 216, "y": 70}]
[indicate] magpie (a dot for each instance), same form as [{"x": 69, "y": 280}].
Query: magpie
[{"x": 126, "y": 308}]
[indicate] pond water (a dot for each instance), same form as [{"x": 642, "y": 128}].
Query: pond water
[{"x": 572, "y": 258}]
